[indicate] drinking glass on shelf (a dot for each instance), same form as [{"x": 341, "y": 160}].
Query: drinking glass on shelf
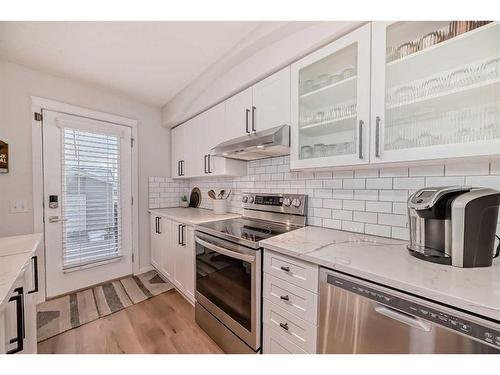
[
  {"x": 318, "y": 150},
  {"x": 306, "y": 152},
  {"x": 308, "y": 85}
]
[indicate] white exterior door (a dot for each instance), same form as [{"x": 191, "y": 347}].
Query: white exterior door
[{"x": 87, "y": 201}]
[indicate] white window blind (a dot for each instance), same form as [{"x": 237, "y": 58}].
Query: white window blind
[{"x": 90, "y": 197}]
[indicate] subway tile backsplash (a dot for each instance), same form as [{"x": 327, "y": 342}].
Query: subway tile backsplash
[{"x": 371, "y": 201}]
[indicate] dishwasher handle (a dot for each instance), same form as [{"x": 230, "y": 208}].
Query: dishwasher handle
[{"x": 407, "y": 319}]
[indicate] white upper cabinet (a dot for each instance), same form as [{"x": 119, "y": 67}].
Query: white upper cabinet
[
  {"x": 178, "y": 141},
  {"x": 192, "y": 142},
  {"x": 435, "y": 86},
  {"x": 330, "y": 104},
  {"x": 271, "y": 101},
  {"x": 238, "y": 115}
]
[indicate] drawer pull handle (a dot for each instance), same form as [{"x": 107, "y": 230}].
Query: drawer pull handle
[
  {"x": 285, "y": 298},
  {"x": 284, "y": 326},
  {"x": 286, "y": 269}
]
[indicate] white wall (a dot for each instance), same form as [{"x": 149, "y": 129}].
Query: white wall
[
  {"x": 17, "y": 84},
  {"x": 371, "y": 201},
  {"x": 225, "y": 79}
]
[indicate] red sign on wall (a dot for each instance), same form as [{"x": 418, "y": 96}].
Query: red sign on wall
[{"x": 4, "y": 157}]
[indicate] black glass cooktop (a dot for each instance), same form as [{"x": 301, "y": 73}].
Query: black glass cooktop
[{"x": 248, "y": 230}]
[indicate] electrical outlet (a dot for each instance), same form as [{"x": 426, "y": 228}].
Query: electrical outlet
[{"x": 18, "y": 206}]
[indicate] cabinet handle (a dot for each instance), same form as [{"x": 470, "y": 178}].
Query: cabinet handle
[
  {"x": 253, "y": 119},
  {"x": 156, "y": 224},
  {"x": 179, "y": 168},
  {"x": 285, "y": 298},
  {"x": 247, "y": 114},
  {"x": 183, "y": 243},
  {"x": 360, "y": 141},
  {"x": 35, "y": 274},
  {"x": 286, "y": 269},
  {"x": 209, "y": 158},
  {"x": 158, "y": 231},
  {"x": 377, "y": 136},
  {"x": 205, "y": 163},
  {"x": 179, "y": 234},
  {"x": 19, "y": 339},
  {"x": 182, "y": 167},
  {"x": 284, "y": 326}
]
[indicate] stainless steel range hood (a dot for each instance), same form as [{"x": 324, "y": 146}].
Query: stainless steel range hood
[{"x": 259, "y": 145}]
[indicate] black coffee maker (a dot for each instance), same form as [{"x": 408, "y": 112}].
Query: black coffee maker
[{"x": 454, "y": 225}]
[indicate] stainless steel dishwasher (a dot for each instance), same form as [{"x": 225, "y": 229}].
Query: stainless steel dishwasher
[{"x": 357, "y": 316}]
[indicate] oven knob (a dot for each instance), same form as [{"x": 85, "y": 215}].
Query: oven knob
[
  {"x": 286, "y": 202},
  {"x": 250, "y": 199},
  {"x": 296, "y": 202},
  {"x": 244, "y": 199}
]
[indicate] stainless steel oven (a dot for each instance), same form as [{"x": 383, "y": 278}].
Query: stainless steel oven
[
  {"x": 229, "y": 268},
  {"x": 228, "y": 286}
]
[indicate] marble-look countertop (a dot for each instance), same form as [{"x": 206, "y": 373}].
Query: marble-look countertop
[
  {"x": 387, "y": 261},
  {"x": 15, "y": 252},
  {"x": 191, "y": 215}
]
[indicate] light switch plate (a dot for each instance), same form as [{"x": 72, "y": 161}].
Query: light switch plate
[{"x": 18, "y": 206}]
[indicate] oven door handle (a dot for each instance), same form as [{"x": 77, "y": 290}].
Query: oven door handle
[{"x": 229, "y": 253}]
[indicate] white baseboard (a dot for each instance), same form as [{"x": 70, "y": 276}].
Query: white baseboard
[{"x": 145, "y": 269}]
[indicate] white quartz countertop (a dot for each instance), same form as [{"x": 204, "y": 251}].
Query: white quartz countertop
[
  {"x": 191, "y": 215},
  {"x": 15, "y": 252},
  {"x": 387, "y": 262}
]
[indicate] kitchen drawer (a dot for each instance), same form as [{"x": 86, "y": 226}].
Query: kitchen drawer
[
  {"x": 296, "y": 330},
  {"x": 276, "y": 342},
  {"x": 295, "y": 271},
  {"x": 292, "y": 298}
]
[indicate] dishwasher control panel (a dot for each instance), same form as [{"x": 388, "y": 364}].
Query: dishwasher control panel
[{"x": 459, "y": 324}]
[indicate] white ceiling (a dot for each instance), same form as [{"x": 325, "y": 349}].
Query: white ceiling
[{"x": 148, "y": 61}]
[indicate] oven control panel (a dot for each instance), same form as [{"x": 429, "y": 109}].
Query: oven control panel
[{"x": 286, "y": 203}]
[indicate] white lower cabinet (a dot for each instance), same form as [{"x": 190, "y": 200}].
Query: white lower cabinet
[
  {"x": 172, "y": 253},
  {"x": 290, "y": 309},
  {"x": 276, "y": 342},
  {"x": 18, "y": 316}
]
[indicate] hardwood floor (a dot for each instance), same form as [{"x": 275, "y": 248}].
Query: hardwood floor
[{"x": 162, "y": 324}]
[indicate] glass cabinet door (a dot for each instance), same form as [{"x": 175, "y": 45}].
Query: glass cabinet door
[
  {"x": 435, "y": 85},
  {"x": 330, "y": 104}
]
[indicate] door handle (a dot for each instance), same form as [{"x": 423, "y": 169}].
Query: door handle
[
  {"x": 286, "y": 269},
  {"x": 205, "y": 163},
  {"x": 360, "y": 140},
  {"x": 35, "y": 273},
  {"x": 285, "y": 298},
  {"x": 377, "y": 136},
  {"x": 284, "y": 326},
  {"x": 55, "y": 219},
  {"x": 209, "y": 158},
  {"x": 179, "y": 234},
  {"x": 178, "y": 168},
  {"x": 253, "y": 119},
  {"x": 403, "y": 318},
  {"x": 19, "y": 339},
  {"x": 183, "y": 242},
  {"x": 158, "y": 230},
  {"x": 247, "y": 114},
  {"x": 224, "y": 251},
  {"x": 182, "y": 167}
]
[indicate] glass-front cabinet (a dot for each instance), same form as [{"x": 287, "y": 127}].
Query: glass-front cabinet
[
  {"x": 331, "y": 103},
  {"x": 435, "y": 86}
]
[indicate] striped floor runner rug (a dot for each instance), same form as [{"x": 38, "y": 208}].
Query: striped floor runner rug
[{"x": 70, "y": 311}]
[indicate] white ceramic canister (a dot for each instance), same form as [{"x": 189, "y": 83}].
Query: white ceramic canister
[{"x": 220, "y": 206}]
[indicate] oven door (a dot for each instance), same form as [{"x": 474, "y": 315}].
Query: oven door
[{"x": 228, "y": 285}]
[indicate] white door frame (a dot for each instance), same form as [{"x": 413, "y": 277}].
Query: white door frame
[{"x": 37, "y": 105}]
